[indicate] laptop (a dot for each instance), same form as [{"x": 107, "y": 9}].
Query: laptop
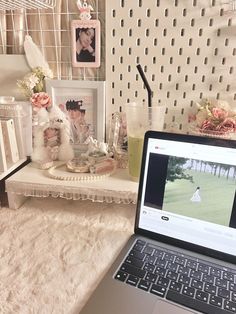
[{"x": 181, "y": 258}]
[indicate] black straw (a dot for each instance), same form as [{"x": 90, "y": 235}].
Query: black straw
[{"x": 145, "y": 84}]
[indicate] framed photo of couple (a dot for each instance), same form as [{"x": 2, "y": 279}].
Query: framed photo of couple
[
  {"x": 83, "y": 103},
  {"x": 85, "y": 38}
]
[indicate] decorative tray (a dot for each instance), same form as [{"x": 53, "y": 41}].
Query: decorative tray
[{"x": 60, "y": 172}]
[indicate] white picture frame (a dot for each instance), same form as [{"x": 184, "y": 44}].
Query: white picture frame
[
  {"x": 84, "y": 53},
  {"x": 92, "y": 94}
]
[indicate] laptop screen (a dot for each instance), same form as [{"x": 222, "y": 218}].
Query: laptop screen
[{"x": 188, "y": 190}]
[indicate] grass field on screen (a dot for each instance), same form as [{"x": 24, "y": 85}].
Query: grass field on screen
[{"x": 217, "y": 195}]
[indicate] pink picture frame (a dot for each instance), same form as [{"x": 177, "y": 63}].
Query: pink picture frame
[{"x": 85, "y": 38}]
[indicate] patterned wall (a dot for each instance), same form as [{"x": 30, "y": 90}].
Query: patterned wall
[{"x": 187, "y": 49}]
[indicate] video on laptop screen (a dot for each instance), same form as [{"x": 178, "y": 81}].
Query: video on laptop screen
[{"x": 189, "y": 193}]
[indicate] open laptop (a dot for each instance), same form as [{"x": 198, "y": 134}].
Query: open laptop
[{"x": 182, "y": 256}]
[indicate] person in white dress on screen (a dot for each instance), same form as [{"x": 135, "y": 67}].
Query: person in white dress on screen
[{"x": 196, "y": 196}]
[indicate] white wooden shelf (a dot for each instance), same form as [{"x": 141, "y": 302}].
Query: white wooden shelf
[{"x": 32, "y": 182}]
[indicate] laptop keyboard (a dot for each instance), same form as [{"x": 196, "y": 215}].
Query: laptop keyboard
[{"x": 191, "y": 282}]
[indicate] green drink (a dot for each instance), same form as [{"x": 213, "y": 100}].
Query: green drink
[
  {"x": 140, "y": 118},
  {"x": 135, "y": 149}
]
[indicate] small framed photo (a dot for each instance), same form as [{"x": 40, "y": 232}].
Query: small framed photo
[
  {"x": 85, "y": 38},
  {"x": 83, "y": 103}
]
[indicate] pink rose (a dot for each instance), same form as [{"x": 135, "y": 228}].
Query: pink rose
[
  {"x": 208, "y": 125},
  {"x": 41, "y": 100},
  {"x": 219, "y": 113},
  {"x": 228, "y": 125}
]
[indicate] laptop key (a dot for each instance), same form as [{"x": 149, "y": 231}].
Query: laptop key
[
  {"x": 151, "y": 277},
  {"x": 144, "y": 285},
  {"x": 137, "y": 254},
  {"x": 149, "y": 250},
  {"x": 183, "y": 270},
  {"x": 233, "y": 296},
  {"x": 191, "y": 264},
  {"x": 133, "y": 270},
  {"x": 171, "y": 275},
  {"x": 195, "y": 274},
  {"x": 171, "y": 266},
  {"x": 210, "y": 288},
  {"x": 203, "y": 268},
  {"x": 121, "y": 276},
  {"x": 208, "y": 278},
  {"x": 169, "y": 257},
  {"x": 230, "y": 306},
  {"x": 158, "y": 290},
  {"x": 193, "y": 303},
  {"x": 223, "y": 293},
  {"x": 163, "y": 281},
  {"x": 160, "y": 263},
  {"x": 138, "y": 247},
  {"x": 202, "y": 296},
  {"x": 132, "y": 280},
  {"x": 158, "y": 253},
  {"x": 189, "y": 291},
  {"x": 221, "y": 283},
  {"x": 184, "y": 279},
  {"x": 215, "y": 272},
  {"x": 149, "y": 267},
  {"x": 141, "y": 242},
  {"x": 160, "y": 271},
  {"x": 176, "y": 286},
  {"x": 217, "y": 301},
  {"x": 232, "y": 287},
  {"x": 228, "y": 276},
  {"x": 134, "y": 262},
  {"x": 197, "y": 284},
  {"x": 180, "y": 260},
  {"x": 150, "y": 259}
]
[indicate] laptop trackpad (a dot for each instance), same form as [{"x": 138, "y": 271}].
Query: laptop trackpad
[{"x": 162, "y": 307}]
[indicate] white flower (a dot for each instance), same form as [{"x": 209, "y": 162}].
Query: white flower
[
  {"x": 31, "y": 80},
  {"x": 224, "y": 105},
  {"x": 34, "y": 82},
  {"x": 47, "y": 72},
  {"x": 220, "y": 104}
]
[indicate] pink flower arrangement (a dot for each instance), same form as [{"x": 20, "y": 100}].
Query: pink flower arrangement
[
  {"x": 40, "y": 100},
  {"x": 214, "y": 117},
  {"x": 228, "y": 125}
]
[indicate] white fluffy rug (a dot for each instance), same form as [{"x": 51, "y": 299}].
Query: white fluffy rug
[{"x": 53, "y": 252}]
